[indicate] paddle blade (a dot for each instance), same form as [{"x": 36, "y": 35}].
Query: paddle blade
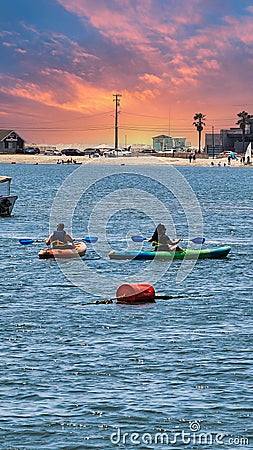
[
  {"x": 198, "y": 240},
  {"x": 26, "y": 241},
  {"x": 90, "y": 239},
  {"x": 138, "y": 238}
]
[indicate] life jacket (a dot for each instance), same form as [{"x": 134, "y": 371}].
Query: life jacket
[{"x": 59, "y": 238}]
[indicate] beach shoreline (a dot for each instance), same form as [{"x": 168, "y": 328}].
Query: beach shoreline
[{"x": 145, "y": 160}]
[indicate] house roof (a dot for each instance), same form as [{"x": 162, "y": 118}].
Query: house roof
[
  {"x": 161, "y": 136},
  {"x": 5, "y": 133}
]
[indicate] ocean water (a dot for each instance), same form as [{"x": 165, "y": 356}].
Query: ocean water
[{"x": 173, "y": 374}]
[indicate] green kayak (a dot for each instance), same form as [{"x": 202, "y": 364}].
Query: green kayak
[{"x": 207, "y": 253}]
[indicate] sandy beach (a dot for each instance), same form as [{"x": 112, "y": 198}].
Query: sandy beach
[{"x": 127, "y": 160}]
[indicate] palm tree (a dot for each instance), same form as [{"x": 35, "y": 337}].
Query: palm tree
[
  {"x": 199, "y": 122},
  {"x": 242, "y": 122}
]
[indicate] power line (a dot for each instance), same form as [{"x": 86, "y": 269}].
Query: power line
[
  {"x": 65, "y": 129},
  {"x": 144, "y": 115},
  {"x": 79, "y": 117}
]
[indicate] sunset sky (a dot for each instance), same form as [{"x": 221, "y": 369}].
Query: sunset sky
[{"x": 62, "y": 61}]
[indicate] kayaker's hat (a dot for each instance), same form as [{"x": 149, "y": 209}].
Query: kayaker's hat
[{"x": 60, "y": 226}]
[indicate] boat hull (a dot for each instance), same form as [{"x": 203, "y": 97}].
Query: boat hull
[
  {"x": 67, "y": 253},
  {"x": 7, "y": 203},
  {"x": 208, "y": 253}
]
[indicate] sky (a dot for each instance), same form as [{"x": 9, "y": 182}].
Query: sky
[{"x": 62, "y": 62}]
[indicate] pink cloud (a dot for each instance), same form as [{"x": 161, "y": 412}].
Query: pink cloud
[
  {"x": 102, "y": 17},
  {"x": 20, "y": 50},
  {"x": 242, "y": 30},
  {"x": 149, "y": 30},
  {"x": 8, "y": 44},
  {"x": 211, "y": 64},
  {"x": 149, "y": 78},
  {"x": 59, "y": 42}
]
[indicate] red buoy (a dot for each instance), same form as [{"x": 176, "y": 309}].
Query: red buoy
[{"x": 136, "y": 293}]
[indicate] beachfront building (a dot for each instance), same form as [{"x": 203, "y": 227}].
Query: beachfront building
[
  {"x": 213, "y": 144},
  {"x": 163, "y": 142},
  {"x": 11, "y": 142},
  {"x": 179, "y": 142},
  {"x": 232, "y": 139},
  {"x": 229, "y": 139}
]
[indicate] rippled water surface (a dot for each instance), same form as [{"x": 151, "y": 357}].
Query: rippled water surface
[{"x": 83, "y": 376}]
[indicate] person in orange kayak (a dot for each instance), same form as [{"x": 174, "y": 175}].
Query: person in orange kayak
[
  {"x": 162, "y": 242},
  {"x": 60, "y": 239}
]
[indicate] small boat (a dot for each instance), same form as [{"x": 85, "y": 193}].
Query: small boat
[
  {"x": 207, "y": 253},
  {"x": 7, "y": 201},
  {"x": 49, "y": 253}
]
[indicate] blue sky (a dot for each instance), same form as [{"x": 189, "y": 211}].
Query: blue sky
[{"x": 62, "y": 61}]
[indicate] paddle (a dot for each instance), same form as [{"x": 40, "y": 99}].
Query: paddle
[
  {"x": 88, "y": 239},
  {"x": 30, "y": 241},
  {"x": 197, "y": 240}
]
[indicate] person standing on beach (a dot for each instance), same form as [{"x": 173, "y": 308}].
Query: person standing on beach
[{"x": 60, "y": 239}]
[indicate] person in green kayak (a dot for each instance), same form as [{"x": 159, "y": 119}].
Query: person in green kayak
[
  {"x": 162, "y": 242},
  {"x": 60, "y": 239}
]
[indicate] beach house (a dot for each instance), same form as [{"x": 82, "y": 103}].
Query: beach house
[{"x": 11, "y": 142}]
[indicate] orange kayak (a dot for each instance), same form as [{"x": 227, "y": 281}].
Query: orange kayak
[{"x": 79, "y": 250}]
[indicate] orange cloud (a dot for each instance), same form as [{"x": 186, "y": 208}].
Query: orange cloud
[{"x": 79, "y": 95}]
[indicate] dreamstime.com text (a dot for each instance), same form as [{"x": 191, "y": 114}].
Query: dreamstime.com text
[{"x": 193, "y": 436}]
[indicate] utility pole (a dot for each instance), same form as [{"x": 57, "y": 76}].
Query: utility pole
[
  {"x": 213, "y": 140},
  {"x": 117, "y": 104}
]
